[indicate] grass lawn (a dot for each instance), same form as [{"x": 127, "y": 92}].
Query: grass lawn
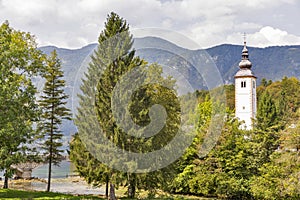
[{"x": 20, "y": 194}]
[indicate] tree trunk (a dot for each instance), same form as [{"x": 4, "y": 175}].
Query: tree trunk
[
  {"x": 106, "y": 187},
  {"x": 131, "y": 185},
  {"x": 112, "y": 195},
  {"x": 5, "y": 185},
  {"x": 50, "y": 152},
  {"x": 49, "y": 173}
]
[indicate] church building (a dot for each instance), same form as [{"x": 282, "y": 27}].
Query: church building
[{"x": 245, "y": 92}]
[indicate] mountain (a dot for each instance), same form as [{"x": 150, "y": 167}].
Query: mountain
[
  {"x": 71, "y": 61},
  {"x": 271, "y": 63}
]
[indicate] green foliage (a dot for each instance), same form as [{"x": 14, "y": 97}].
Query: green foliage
[
  {"x": 112, "y": 59},
  {"x": 279, "y": 178},
  {"x": 265, "y": 83},
  {"x": 285, "y": 95},
  {"x": 52, "y": 102},
  {"x": 289, "y": 101},
  {"x": 110, "y": 62},
  {"x": 224, "y": 171},
  {"x": 267, "y": 116},
  {"x": 230, "y": 96},
  {"x": 262, "y": 164},
  {"x": 19, "y": 194},
  {"x": 20, "y": 62},
  {"x": 87, "y": 166},
  {"x": 259, "y": 164}
]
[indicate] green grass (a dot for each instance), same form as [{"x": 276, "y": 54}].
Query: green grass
[{"x": 20, "y": 194}]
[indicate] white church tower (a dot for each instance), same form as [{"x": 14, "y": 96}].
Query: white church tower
[{"x": 245, "y": 92}]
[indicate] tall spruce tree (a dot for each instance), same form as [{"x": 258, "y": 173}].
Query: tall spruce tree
[
  {"x": 54, "y": 111},
  {"x": 20, "y": 62},
  {"x": 110, "y": 62},
  {"x": 111, "y": 59}
]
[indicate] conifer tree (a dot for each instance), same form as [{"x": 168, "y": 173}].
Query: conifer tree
[
  {"x": 111, "y": 59},
  {"x": 54, "y": 111},
  {"x": 87, "y": 166}
]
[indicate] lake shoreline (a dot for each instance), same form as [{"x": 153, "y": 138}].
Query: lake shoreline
[{"x": 70, "y": 185}]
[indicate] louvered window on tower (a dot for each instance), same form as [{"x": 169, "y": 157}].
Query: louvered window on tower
[{"x": 243, "y": 84}]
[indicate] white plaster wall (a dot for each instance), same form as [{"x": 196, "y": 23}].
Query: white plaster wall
[{"x": 245, "y": 100}]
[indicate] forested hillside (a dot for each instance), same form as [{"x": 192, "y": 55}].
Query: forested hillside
[{"x": 263, "y": 163}]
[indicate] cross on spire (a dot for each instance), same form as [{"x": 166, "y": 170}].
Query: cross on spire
[
  {"x": 245, "y": 63},
  {"x": 245, "y": 37}
]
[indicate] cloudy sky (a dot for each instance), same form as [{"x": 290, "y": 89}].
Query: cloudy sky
[{"x": 75, "y": 23}]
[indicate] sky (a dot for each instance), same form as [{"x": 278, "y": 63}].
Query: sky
[{"x": 76, "y": 23}]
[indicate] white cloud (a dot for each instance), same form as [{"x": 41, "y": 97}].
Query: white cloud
[
  {"x": 266, "y": 36},
  {"x": 74, "y": 23},
  {"x": 272, "y": 36}
]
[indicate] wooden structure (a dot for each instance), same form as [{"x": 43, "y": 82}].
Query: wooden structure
[{"x": 24, "y": 170}]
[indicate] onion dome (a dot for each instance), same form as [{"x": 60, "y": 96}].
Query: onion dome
[{"x": 245, "y": 62}]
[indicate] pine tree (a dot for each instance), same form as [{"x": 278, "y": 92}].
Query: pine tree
[{"x": 53, "y": 102}]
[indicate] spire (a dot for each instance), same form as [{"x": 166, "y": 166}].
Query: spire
[{"x": 245, "y": 63}]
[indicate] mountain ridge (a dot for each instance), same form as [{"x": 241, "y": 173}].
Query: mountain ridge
[
  {"x": 219, "y": 54},
  {"x": 272, "y": 63}
]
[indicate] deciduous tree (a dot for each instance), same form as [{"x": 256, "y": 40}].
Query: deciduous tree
[{"x": 20, "y": 62}]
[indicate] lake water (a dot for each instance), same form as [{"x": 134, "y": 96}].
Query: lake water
[
  {"x": 59, "y": 181},
  {"x": 66, "y": 168}
]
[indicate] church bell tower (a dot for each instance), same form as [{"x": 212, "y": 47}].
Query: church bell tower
[{"x": 245, "y": 92}]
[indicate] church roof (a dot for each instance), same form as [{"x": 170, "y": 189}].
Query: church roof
[{"x": 244, "y": 72}]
